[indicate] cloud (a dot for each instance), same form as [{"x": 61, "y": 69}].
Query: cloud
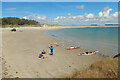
[
  {"x": 35, "y": 17},
  {"x": 115, "y": 14},
  {"x": 59, "y": 17},
  {"x": 24, "y": 17},
  {"x": 106, "y": 12},
  {"x": 100, "y": 14},
  {"x": 69, "y": 14},
  {"x": 90, "y": 15},
  {"x": 80, "y": 7},
  {"x": 106, "y": 8},
  {"x": 11, "y": 8},
  {"x": 102, "y": 17}
]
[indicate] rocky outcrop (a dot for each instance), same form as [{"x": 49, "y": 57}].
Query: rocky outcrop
[{"x": 118, "y": 55}]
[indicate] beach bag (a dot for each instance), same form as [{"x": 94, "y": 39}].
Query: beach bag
[{"x": 43, "y": 56}]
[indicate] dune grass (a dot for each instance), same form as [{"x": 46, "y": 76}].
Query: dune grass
[{"x": 106, "y": 68}]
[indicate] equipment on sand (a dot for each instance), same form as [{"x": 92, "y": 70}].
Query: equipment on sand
[
  {"x": 73, "y": 47},
  {"x": 44, "y": 57},
  {"x": 88, "y": 53},
  {"x": 57, "y": 44}
]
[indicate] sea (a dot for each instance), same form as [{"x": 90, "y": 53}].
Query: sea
[{"x": 103, "y": 39}]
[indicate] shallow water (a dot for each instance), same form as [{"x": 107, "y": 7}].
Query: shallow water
[{"x": 104, "y": 39}]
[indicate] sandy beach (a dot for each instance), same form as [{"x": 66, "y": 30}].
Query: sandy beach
[{"x": 21, "y": 49}]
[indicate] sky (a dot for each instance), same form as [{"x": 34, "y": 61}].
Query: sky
[
  {"x": 71, "y": 13},
  {"x": 60, "y": 0}
]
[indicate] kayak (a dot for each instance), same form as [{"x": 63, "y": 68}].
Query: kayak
[
  {"x": 73, "y": 47},
  {"x": 88, "y": 53}
]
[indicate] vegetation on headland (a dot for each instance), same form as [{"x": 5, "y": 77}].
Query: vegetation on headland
[
  {"x": 16, "y": 22},
  {"x": 106, "y": 68}
]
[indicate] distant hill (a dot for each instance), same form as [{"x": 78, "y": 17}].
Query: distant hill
[{"x": 17, "y": 21}]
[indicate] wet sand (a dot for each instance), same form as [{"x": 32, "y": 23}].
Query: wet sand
[{"x": 21, "y": 49}]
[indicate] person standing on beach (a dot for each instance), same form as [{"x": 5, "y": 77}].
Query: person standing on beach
[{"x": 51, "y": 49}]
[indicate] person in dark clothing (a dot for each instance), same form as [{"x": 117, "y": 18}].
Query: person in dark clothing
[
  {"x": 51, "y": 48},
  {"x": 42, "y": 54}
]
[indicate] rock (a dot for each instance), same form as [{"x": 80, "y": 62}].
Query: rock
[
  {"x": 118, "y": 55},
  {"x": 13, "y": 29}
]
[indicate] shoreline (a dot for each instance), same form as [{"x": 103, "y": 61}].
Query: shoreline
[
  {"x": 59, "y": 27},
  {"x": 103, "y": 54},
  {"x": 63, "y": 62}
]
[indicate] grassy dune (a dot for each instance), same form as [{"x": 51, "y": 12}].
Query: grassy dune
[{"x": 106, "y": 68}]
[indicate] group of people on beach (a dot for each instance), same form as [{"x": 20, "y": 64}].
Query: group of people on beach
[{"x": 42, "y": 54}]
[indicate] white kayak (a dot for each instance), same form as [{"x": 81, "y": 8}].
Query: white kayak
[{"x": 94, "y": 52}]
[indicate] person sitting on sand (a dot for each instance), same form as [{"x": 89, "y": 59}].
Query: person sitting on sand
[
  {"x": 42, "y": 53},
  {"x": 51, "y": 48}
]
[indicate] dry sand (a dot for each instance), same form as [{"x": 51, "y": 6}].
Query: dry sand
[{"x": 21, "y": 49}]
